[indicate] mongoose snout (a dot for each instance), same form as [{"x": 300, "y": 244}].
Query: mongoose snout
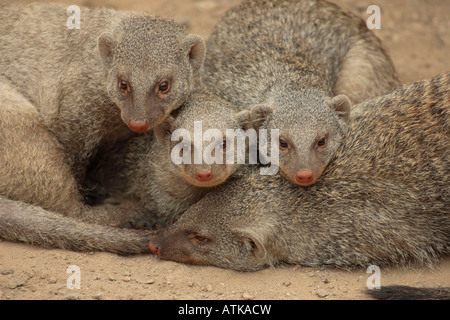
[
  {"x": 204, "y": 175},
  {"x": 304, "y": 178},
  {"x": 153, "y": 249},
  {"x": 138, "y": 126}
]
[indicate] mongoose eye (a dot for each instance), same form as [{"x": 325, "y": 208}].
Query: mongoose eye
[
  {"x": 124, "y": 87},
  {"x": 195, "y": 238},
  {"x": 322, "y": 143},
  {"x": 163, "y": 88},
  {"x": 223, "y": 144},
  {"x": 283, "y": 144}
]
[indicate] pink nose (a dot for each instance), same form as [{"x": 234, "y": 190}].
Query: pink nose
[
  {"x": 138, "y": 125},
  {"x": 304, "y": 176},
  {"x": 154, "y": 249},
  {"x": 204, "y": 175}
]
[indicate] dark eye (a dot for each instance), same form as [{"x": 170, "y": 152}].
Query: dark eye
[
  {"x": 322, "y": 142},
  {"x": 124, "y": 87},
  {"x": 197, "y": 239},
  {"x": 283, "y": 144},
  {"x": 164, "y": 87},
  {"x": 223, "y": 144}
]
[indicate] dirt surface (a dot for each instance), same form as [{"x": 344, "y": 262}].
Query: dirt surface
[{"x": 417, "y": 35}]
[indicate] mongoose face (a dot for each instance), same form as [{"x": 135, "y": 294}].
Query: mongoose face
[
  {"x": 150, "y": 65},
  {"x": 209, "y": 237},
  {"x": 310, "y": 131},
  {"x": 197, "y": 138}
]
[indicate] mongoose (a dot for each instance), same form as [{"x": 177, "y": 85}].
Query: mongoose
[
  {"x": 383, "y": 199},
  {"x": 33, "y": 167},
  {"x": 300, "y": 63},
  {"x": 81, "y": 89},
  {"x": 142, "y": 168}
]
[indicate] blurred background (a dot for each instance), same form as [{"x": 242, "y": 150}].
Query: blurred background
[{"x": 416, "y": 33}]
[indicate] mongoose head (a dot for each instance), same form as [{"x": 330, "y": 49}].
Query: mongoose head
[
  {"x": 311, "y": 127},
  {"x": 195, "y": 139},
  {"x": 220, "y": 232},
  {"x": 150, "y": 66}
]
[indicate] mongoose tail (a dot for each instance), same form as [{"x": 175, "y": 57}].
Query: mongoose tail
[{"x": 36, "y": 226}]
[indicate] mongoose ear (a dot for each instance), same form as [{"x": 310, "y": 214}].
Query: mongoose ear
[
  {"x": 105, "y": 47},
  {"x": 243, "y": 120},
  {"x": 341, "y": 105},
  {"x": 196, "y": 49},
  {"x": 258, "y": 249},
  {"x": 163, "y": 131},
  {"x": 259, "y": 114}
]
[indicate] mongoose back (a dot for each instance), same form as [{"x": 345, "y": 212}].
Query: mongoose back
[
  {"x": 74, "y": 90},
  {"x": 159, "y": 169},
  {"x": 384, "y": 198},
  {"x": 296, "y": 63}
]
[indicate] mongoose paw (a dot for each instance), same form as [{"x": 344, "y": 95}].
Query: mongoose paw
[{"x": 95, "y": 195}]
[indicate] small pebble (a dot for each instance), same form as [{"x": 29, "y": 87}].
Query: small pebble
[
  {"x": 247, "y": 296},
  {"x": 321, "y": 293}
]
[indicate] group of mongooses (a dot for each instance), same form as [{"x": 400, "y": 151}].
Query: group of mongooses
[{"x": 364, "y": 163}]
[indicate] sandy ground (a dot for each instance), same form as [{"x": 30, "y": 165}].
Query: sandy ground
[{"x": 417, "y": 35}]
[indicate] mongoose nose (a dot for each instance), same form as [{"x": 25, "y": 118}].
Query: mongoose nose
[
  {"x": 204, "y": 175},
  {"x": 138, "y": 125},
  {"x": 154, "y": 249},
  {"x": 304, "y": 177}
]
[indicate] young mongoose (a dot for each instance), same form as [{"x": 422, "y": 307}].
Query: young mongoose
[
  {"x": 301, "y": 64},
  {"x": 383, "y": 199},
  {"x": 143, "y": 168},
  {"x": 66, "y": 92},
  {"x": 33, "y": 166}
]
